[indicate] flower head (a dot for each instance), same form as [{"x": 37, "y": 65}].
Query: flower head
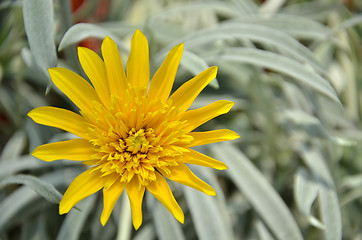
[{"x": 132, "y": 133}]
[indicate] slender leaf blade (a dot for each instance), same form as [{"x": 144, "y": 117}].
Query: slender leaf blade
[
  {"x": 259, "y": 192},
  {"x": 206, "y": 215},
  {"x": 328, "y": 199},
  {"x": 40, "y": 29},
  {"x": 281, "y": 64},
  {"x": 43, "y": 188}
]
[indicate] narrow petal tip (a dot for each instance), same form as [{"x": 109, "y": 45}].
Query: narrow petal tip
[
  {"x": 213, "y": 68},
  {"x": 181, "y": 218},
  {"x": 31, "y": 113},
  {"x": 137, "y": 223},
  {"x": 236, "y": 136},
  {"x": 138, "y": 33},
  {"x": 104, "y": 220},
  {"x": 222, "y": 166},
  {"x": 62, "y": 209},
  {"x": 210, "y": 191}
]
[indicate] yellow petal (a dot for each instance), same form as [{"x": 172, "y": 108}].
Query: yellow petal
[
  {"x": 163, "y": 79},
  {"x": 160, "y": 190},
  {"x": 194, "y": 157},
  {"x": 117, "y": 80},
  {"x": 182, "y": 174},
  {"x": 110, "y": 197},
  {"x": 94, "y": 67},
  {"x": 138, "y": 69},
  {"x": 201, "y": 138},
  {"x": 75, "y": 87},
  {"x": 186, "y": 94},
  {"x": 82, "y": 186},
  {"x": 199, "y": 116},
  {"x": 60, "y": 118},
  {"x": 75, "y": 149},
  {"x": 135, "y": 196}
]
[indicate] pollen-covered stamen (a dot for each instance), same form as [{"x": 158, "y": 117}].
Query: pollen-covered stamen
[
  {"x": 137, "y": 141},
  {"x": 131, "y": 146}
]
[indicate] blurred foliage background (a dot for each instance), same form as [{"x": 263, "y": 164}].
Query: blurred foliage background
[{"x": 293, "y": 68}]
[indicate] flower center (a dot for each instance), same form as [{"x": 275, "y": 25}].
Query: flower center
[{"x": 136, "y": 139}]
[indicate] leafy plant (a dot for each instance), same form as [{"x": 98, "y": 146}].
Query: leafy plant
[{"x": 293, "y": 68}]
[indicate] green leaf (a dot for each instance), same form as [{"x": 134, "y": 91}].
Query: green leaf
[
  {"x": 125, "y": 219},
  {"x": 263, "y": 231},
  {"x": 328, "y": 199},
  {"x": 282, "y": 64},
  {"x": 167, "y": 227},
  {"x": 21, "y": 164},
  {"x": 271, "y": 7},
  {"x": 305, "y": 191},
  {"x": 146, "y": 232},
  {"x": 22, "y": 199},
  {"x": 221, "y": 8},
  {"x": 246, "y": 7},
  {"x": 294, "y": 118},
  {"x": 43, "y": 188},
  {"x": 259, "y": 192},
  {"x": 206, "y": 216},
  {"x": 35, "y": 229},
  {"x": 81, "y": 31},
  {"x": 39, "y": 28},
  {"x": 75, "y": 220},
  {"x": 296, "y": 26},
  {"x": 195, "y": 64},
  {"x": 257, "y": 33},
  {"x": 353, "y": 21},
  {"x": 13, "y": 204},
  {"x": 13, "y": 147}
]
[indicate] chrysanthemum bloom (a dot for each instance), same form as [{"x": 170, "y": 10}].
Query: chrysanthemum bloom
[{"x": 131, "y": 132}]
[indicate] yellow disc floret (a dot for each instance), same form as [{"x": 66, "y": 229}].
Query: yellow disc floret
[{"x": 136, "y": 147}]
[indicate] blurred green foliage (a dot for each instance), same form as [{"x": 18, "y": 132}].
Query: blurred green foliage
[{"x": 293, "y": 69}]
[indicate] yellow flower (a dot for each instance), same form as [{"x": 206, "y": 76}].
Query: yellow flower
[{"x": 131, "y": 132}]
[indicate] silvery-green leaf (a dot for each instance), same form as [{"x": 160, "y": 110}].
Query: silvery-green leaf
[
  {"x": 21, "y": 164},
  {"x": 24, "y": 197},
  {"x": 43, "y": 188},
  {"x": 147, "y": 232},
  {"x": 97, "y": 231},
  {"x": 221, "y": 8},
  {"x": 39, "y": 27},
  {"x": 13, "y": 147},
  {"x": 305, "y": 191},
  {"x": 328, "y": 199},
  {"x": 278, "y": 63},
  {"x": 75, "y": 220},
  {"x": 167, "y": 227},
  {"x": 246, "y": 7},
  {"x": 295, "y": 118},
  {"x": 35, "y": 229},
  {"x": 317, "y": 10},
  {"x": 206, "y": 215},
  {"x": 355, "y": 20},
  {"x": 296, "y": 26},
  {"x": 255, "y": 32},
  {"x": 13, "y": 204},
  {"x": 271, "y": 6},
  {"x": 263, "y": 231},
  {"x": 125, "y": 219},
  {"x": 305, "y": 194},
  {"x": 81, "y": 31},
  {"x": 261, "y": 195},
  {"x": 120, "y": 28},
  {"x": 195, "y": 64}
]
